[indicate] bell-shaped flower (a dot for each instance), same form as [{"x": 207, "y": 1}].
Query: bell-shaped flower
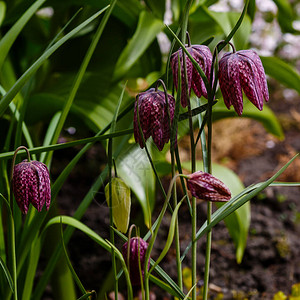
[
  {"x": 137, "y": 256},
  {"x": 31, "y": 184},
  {"x": 203, "y": 57},
  {"x": 242, "y": 71},
  {"x": 153, "y": 116},
  {"x": 206, "y": 187}
]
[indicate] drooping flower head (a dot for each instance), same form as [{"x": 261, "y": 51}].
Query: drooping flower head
[
  {"x": 136, "y": 246},
  {"x": 153, "y": 116},
  {"x": 206, "y": 187},
  {"x": 203, "y": 57},
  {"x": 31, "y": 184},
  {"x": 242, "y": 71}
]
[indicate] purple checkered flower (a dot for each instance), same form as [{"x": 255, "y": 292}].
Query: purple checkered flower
[
  {"x": 153, "y": 115},
  {"x": 31, "y": 184},
  {"x": 242, "y": 70},
  {"x": 137, "y": 246},
  {"x": 205, "y": 186},
  {"x": 203, "y": 57}
]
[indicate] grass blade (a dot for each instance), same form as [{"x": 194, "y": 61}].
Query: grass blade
[
  {"x": 9, "y": 38},
  {"x": 27, "y": 75}
]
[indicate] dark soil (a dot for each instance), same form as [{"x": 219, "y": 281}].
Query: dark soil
[{"x": 271, "y": 261}]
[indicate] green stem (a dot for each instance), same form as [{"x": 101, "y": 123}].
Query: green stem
[
  {"x": 12, "y": 249},
  {"x": 207, "y": 253},
  {"x": 208, "y": 168},
  {"x": 112, "y": 233},
  {"x": 193, "y": 157}
]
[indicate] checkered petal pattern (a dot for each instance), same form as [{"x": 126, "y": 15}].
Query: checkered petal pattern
[
  {"x": 137, "y": 246},
  {"x": 31, "y": 184},
  {"x": 203, "y": 57},
  {"x": 153, "y": 115},
  {"x": 242, "y": 71},
  {"x": 206, "y": 187}
]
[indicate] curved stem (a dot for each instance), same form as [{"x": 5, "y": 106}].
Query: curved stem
[
  {"x": 111, "y": 231},
  {"x": 14, "y": 159},
  {"x": 188, "y": 39}
]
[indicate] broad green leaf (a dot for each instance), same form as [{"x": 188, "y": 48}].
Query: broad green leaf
[
  {"x": 209, "y": 27},
  {"x": 134, "y": 167},
  {"x": 266, "y": 117},
  {"x": 147, "y": 29},
  {"x": 157, "y": 7},
  {"x": 238, "y": 222},
  {"x": 92, "y": 107},
  {"x": 120, "y": 204},
  {"x": 227, "y": 21},
  {"x": 285, "y": 15},
  {"x": 282, "y": 72},
  {"x": 127, "y": 11},
  {"x": 2, "y": 11},
  {"x": 27, "y": 75}
]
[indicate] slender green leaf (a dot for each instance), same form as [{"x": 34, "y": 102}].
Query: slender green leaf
[
  {"x": 96, "y": 138},
  {"x": 7, "y": 274},
  {"x": 2, "y": 11},
  {"x": 80, "y": 226},
  {"x": 147, "y": 29},
  {"x": 49, "y": 134},
  {"x": 79, "y": 76},
  {"x": 25, "y": 77},
  {"x": 169, "y": 238},
  {"x": 75, "y": 276},
  {"x": 282, "y": 72},
  {"x": 7, "y": 41},
  {"x": 88, "y": 295},
  {"x": 31, "y": 269}
]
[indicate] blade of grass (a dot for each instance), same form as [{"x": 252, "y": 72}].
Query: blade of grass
[
  {"x": 86, "y": 141},
  {"x": 30, "y": 71},
  {"x": 79, "y": 77},
  {"x": 75, "y": 276},
  {"x": 9, "y": 38},
  {"x": 235, "y": 28}
]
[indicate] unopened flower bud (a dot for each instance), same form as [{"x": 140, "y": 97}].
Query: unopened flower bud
[
  {"x": 205, "y": 186},
  {"x": 137, "y": 251},
  {"x": 120, "y": 204},
  {"x": 31, "y": 184}
]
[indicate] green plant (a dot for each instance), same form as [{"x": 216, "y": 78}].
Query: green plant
[{"x": 72, "y": 69}]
